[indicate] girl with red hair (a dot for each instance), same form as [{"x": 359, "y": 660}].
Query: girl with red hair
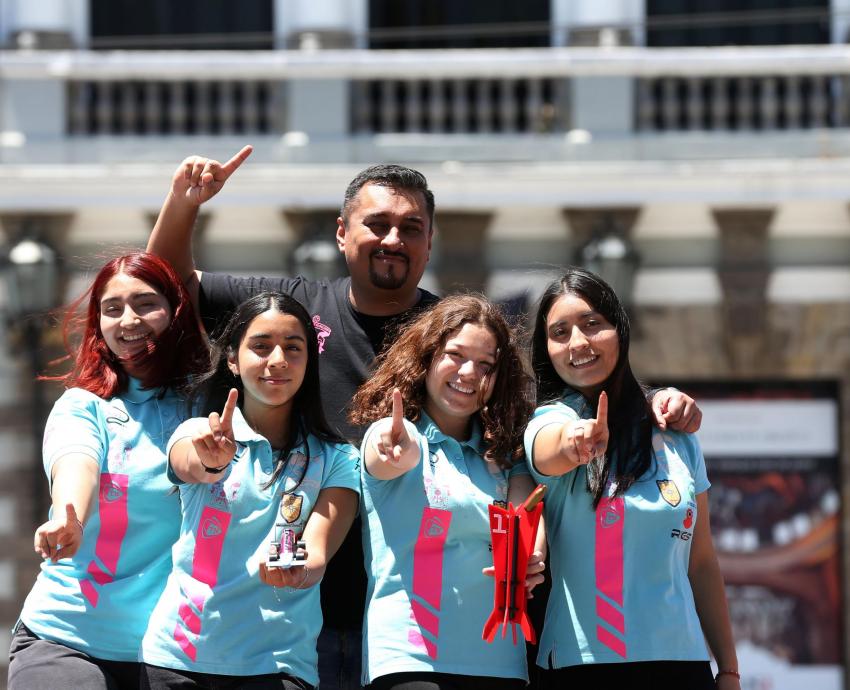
[{"x": 107, "y": 543}]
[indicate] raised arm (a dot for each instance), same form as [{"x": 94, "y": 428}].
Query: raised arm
[
  {"x": 560, "y": 448},
  {"x": 74, "y": 482},
  {"x": 196, "y": 180}
]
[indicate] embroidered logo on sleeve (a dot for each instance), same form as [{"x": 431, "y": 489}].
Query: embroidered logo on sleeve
[{"x": 322, "y": 332}]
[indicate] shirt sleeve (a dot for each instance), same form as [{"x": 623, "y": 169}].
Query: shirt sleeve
[
  {"x": 696, "y": 461},
  {"x": 75, "y": 425},
  {"x": 220, "y": 294},
  {"x": 343, "y": 469},
  {"x": 544, "y": 416}
]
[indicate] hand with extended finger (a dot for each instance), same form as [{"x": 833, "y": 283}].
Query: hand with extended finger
[
  {"x": 198, "y": 179},
  {"x": 676, "y": 410},
  {"x": 585, "y": 439},
  {"x": 60, "y": 537},
  {"x": 391, "y": 439},
  {"x": 215, "y": 446}
]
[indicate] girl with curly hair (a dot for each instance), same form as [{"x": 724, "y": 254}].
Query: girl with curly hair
[{"x": 448, "y": 404}]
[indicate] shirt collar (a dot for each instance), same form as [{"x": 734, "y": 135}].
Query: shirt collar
[
  {"x": 431, "y": 431},
  {"x": 137, "y": 394},
  {"x": 244, "y": 434},
  {"x": 576, "y": 401}
]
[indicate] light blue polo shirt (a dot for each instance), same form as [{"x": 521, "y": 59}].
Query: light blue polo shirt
[
  {"x": 620, "y": 588},
  {"x": 215, "y": 615},
  {"x": 99, "y": 601},
  {"x": 426, "y": 537}
]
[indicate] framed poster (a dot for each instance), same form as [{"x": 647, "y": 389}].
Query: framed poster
[{"x": 772, "y": 451}]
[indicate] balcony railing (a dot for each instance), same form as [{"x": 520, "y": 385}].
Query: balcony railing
[
  {"x": 483, "y": 92},
  {"x": 169, "y": 107}
]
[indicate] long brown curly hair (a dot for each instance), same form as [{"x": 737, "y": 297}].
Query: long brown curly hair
[{"x": 405, "y": 365}]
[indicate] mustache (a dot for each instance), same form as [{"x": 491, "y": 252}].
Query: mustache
[{"x": 384, "y": 252}]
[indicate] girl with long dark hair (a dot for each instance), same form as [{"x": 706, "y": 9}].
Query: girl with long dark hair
[
  {"x": 106, "y": 546},
  {"x": 262, "y": 462},
  {"x": 636, "y": 588}
]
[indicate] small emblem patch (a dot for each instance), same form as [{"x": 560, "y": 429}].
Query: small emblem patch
[
  {"x": 669, "y": 491},
  {"x": 290, "y": 507}
]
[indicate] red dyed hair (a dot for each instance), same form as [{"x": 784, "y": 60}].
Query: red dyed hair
[{"x": 177, "y": 353}]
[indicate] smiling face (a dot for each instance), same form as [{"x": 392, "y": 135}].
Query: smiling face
[
  {"x": 271, "y": 361},
  {"x": 386, "y": 238},
  {"x": 460, "y": 380},
  {"x": 132, "y": 314},
  {"x": 583, "y": 346}
]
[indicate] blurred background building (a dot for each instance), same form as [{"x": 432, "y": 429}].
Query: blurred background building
[{"x": 695, "y": 154}]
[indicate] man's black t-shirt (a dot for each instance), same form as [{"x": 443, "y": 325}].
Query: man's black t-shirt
[{"x": 348, "y": 344}]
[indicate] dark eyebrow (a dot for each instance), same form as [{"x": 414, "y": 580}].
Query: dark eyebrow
[
  {"x": 382, "y": 215},
  {"x": 268, "y": 336},
  {"x": 583, "y": 315},
  {"x": 135, "y": 295}
]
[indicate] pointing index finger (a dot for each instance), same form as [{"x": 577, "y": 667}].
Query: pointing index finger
[
  {"x": 230, "y": 167},
  {"x": 602, "y": 410},
  {"x": 227, "y": 413},
  {"x": 398, "y": 414},
  {"x": 71, "y": 514}
]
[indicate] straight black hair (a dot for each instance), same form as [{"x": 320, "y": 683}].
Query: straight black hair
[
  {"x": 629, "y": 414},
  {"x": 209, "y": 391}
]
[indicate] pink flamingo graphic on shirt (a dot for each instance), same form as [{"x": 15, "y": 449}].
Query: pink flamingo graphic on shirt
[{"x": 322, "y": 332}]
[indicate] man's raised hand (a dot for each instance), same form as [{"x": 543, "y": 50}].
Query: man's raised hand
[{"x": 198, "y": 179}]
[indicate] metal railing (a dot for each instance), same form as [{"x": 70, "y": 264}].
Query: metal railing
[{"x": 499, "y": 92}]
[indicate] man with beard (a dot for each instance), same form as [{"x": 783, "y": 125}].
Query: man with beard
[{"x": 384, "y": 230}]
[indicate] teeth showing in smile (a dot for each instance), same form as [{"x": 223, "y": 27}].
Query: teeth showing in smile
[
  {"x": 133, "y": 338},
  {"x": 461, "y": 389},
  {"x": 582, "y": 361}
]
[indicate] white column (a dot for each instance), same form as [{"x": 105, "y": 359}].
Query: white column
[
  {"x": 319, "y": 108},
  {"x": 325, "y": 24},
  {"x": 604, "y": 106},
  {"x": 839, "y": 21},
  {"x": 54, "y": 23},
  {"x": 570, "y": 17}
]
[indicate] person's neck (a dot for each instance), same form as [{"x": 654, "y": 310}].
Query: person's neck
[
  {"x": 270, "y": 422},
  {"x": 458, "y": 428},
  {"x": 378, "y": 302}
]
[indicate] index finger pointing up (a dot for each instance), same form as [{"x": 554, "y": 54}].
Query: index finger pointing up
[
  {"x": 227, "y": 412},
  {"x": 230, "y": 167},
  {"x": 602, "y": 410},
  {"x": 398, "y": 414}
]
